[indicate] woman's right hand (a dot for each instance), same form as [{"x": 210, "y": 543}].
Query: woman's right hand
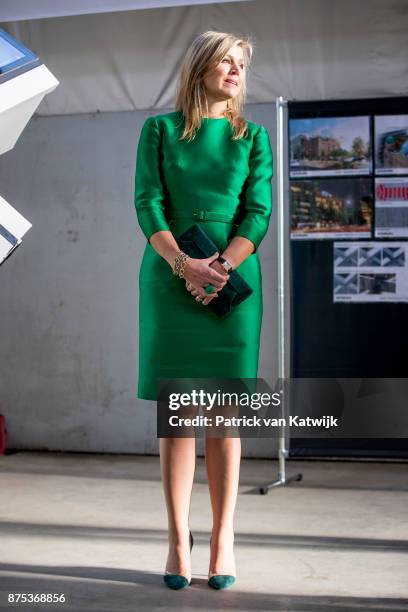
[{"x": 199, "y": 273}]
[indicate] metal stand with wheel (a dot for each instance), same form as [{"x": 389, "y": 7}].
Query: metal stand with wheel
[{"x": 283, "y": 264}]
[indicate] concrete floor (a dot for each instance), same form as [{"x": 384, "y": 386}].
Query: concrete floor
[{"x": 93, "y": 527}]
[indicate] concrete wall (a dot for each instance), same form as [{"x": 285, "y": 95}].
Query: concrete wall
[{"x": 69, "y": 299}]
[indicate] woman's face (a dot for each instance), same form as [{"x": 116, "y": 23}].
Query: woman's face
[{"x": 225, "y": 80}]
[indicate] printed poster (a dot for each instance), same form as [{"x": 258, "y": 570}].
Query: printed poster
[
  {"x": 391, "y": 144},
  {"x": 331, "y": 208},
  {"x": 330, "y": 146},
  {"x": 391, "y": 207},
  {"x": 370, "y": 272}
]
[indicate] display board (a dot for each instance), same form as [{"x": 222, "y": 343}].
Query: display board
[{"x": 348, "y": 197}]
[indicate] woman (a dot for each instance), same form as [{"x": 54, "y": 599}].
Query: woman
[{"x": 203, "y": 163}]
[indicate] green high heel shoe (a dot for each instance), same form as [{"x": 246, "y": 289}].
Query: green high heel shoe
[
  {"x": 177, "y": 581},
  {"x": 221, "y": 581}
]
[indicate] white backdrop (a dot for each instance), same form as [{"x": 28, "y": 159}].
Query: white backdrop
[
  {"x": 69, "y": 302},
  {"x": 304, "y": 50},
  {"x": 72, "y": 176}
]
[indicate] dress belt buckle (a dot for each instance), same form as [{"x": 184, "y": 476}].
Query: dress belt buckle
[{"x": 199, "y": 214}]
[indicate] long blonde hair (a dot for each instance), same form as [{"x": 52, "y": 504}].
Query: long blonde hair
[{"x": 205, "y": 52}]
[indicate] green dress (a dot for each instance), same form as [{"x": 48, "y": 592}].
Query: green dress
[{"x": 225, "y": 186}]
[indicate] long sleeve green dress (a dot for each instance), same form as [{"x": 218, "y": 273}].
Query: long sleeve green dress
[{"x": 225, "y": 186}]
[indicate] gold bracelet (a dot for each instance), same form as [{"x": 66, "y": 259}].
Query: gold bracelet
[
  {"x": 180, "y": 263},
  {"x": 183, "y": 265}
]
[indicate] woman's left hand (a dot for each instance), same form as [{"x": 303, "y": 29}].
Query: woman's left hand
[{"x": 194, "y": 292}]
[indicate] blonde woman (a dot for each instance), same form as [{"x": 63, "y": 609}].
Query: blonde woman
[{"x": 203, "y": 163}]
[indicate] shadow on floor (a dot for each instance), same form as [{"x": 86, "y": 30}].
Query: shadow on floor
[{"x": 112, "y": 590}]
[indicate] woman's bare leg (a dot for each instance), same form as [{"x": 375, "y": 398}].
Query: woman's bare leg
[
  {"x": 177, "y": 465},
  {"x": 222, "y": 456}
]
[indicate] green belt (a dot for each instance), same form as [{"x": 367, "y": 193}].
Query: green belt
[{"x": 200, "y": 214}]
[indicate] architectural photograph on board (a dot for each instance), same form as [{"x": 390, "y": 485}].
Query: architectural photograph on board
[{"x": 204, "y": 260}]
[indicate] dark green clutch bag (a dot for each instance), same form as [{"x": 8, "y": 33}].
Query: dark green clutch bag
[{"x": 196, "y": 243}]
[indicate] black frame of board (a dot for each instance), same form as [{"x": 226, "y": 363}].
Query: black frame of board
[{"x": 319, "y": 346}]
